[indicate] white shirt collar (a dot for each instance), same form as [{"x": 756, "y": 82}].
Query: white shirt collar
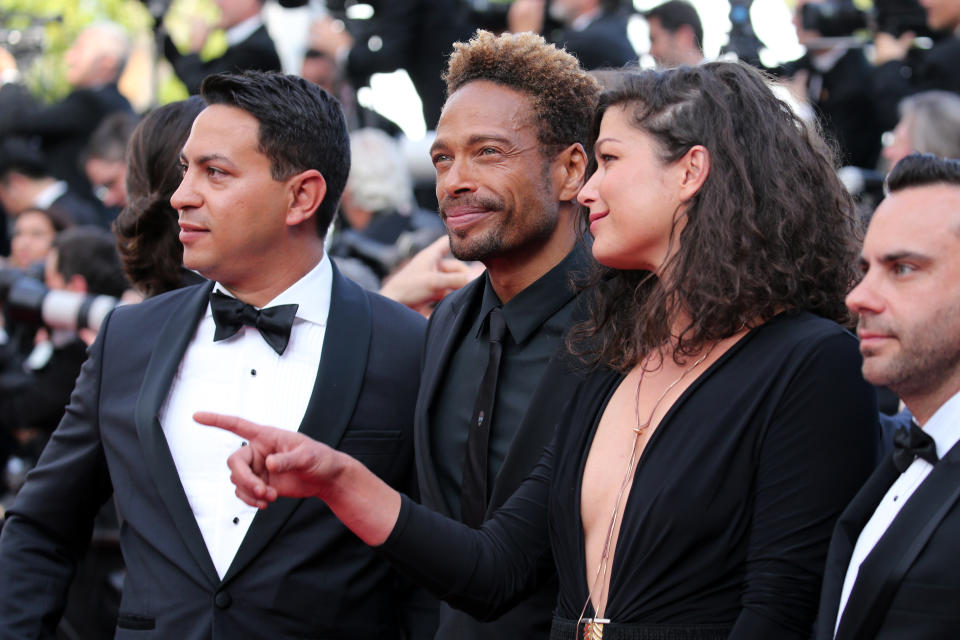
[
  {"x": 311, "y": 293},
  {"x": 46, "y": 197},
  {"x": 243, "y": 30},
  {"x": 944, "y": 425},
  {"x": 826, "y": 60}
]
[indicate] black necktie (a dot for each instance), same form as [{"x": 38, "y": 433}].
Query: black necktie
[
  {"x": 273, "y": 323},
  {"x": 473, "y": 499},
  {"x": 912, "y": 443}
]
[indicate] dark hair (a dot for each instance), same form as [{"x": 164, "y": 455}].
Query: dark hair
[
  {"x": 675, "y": 14},
  {"x": 563, "y": 95},
  {"x": 21, "y": 155},
  {"x": 92, "y": 253},
  {"x": 301, "y": 127},
  {"x": 146, "y": 229},
  {"x": 108, "y": 141},
  {"x": 771, "y": 229},
  {"x": 923, "y": 169},
  {"x": 58, "y": 221}
]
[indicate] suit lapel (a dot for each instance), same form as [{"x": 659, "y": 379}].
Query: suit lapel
[
  {"x": 883, "y": 569},
  {"x": 340, "y": 377},
  {"x": 442, "y": 336},
  {"x": 845, "y": 535},
  {"x": 164, "y": 362}
]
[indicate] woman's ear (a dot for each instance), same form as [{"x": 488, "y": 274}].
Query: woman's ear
[
  {"x": 571, "y": 167},
  {"x": 307, "y": 191},
  {"x": 695, "y": 167}
]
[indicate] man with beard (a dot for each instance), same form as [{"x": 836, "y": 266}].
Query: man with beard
[
  {"x": 892, "y": 569},
  {"x": 510, "y": 159}
]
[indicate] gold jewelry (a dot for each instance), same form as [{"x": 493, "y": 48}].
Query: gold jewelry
[{"x": 593, "y": 627}]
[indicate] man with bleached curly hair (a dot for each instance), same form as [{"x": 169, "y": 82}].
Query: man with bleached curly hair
[{"x": 510, "y": 159}]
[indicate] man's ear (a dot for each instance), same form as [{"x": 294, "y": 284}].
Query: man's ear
[
  {"x": 570, "y": 171},
  {"x": 695, "y": 167},
  {"x": 307, "y": 191}
]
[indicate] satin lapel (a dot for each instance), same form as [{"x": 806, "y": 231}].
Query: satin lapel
[
  {"x": 883, "y": 569},
  {"x": 343, "y": 363},
  {"x": 845, "y": 534},
  {"x": 164, "y": 362},
  {"x": 442, "y": 335}
]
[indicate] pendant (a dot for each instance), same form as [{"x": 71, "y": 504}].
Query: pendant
[{"x": 593, "y": 628}]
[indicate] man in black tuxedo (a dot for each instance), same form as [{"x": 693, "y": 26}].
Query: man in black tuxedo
[
  {"x": 892, "y": 570},
  {"x": 249, "y": 46},
  {"x": 595, "y": 31},
  {"x": 264, "y": 167},
  {"x": 509, "y": 156},
  {"x": 676, "y": 34}
]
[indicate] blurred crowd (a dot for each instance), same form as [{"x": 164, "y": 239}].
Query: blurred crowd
[{"x": 85, "y": 182}]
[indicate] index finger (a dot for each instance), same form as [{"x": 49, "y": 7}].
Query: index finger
[{"x": 234, "y": 424}]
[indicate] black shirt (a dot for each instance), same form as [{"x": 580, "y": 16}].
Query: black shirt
[{"x": 537, "y": 319}]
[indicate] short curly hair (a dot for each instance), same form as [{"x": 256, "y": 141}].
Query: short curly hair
[{"x": 564, "y": 96}]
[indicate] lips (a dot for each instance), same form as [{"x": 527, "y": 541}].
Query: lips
[
  {"x": 459, "y": 217},
  {"x": 190, "y": 232},
  {"x": 596, "y": 216}
]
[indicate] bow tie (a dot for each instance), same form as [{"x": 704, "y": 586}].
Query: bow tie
[
  {"x": 912, "y": 443},
  {"x": 273, "y": 323}
]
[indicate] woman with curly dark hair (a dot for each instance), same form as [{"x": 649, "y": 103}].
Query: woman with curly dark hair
[
  {"x": 146, "y": 229},
  {"x": 724, "y": 425}
]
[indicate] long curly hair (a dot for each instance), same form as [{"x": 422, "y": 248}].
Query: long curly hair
[
  {"x": 771, "y": 229},
  {"x": 147, "y": 229}
]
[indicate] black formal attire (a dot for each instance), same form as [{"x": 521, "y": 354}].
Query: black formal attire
[
  {"x": 257, "y": 52},
  {"x": 600, "y": 44},
  {"x": 908, "y": 586},
  {"x": 726, "y": 527},
  {"x": 935, "y": 68},
  {"x": 416, "y": 35},
  {"x": 298, "y": 572},
  {"x": 536, "y": 375},
  {"x": 64, "y": 129},
  {"x": 78, "y": 210},
  {"x": 843, "y": 99}
]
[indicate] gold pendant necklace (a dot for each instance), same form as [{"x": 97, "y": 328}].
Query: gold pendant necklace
[{"x": 593, "y": 627}]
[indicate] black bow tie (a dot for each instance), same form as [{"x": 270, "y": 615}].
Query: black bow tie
[
  {"x": 273, "y": 323},
  {"x": 912, "y": 443}
]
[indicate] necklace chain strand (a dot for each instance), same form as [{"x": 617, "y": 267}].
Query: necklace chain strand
[{"x": 593, "y": 627}]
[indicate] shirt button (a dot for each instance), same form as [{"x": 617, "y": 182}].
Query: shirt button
[
  {"x": 253, "y": 372},
  {"x": 236, "y": 520}
]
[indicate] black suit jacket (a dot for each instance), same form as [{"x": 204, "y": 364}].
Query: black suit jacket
[
  {"x": 601, "y": 44},
  {"x": 298, "y": 572},
  {"x": 909, "y": 585},
  {"x": 935, "y": 68},
  {"x": 64, "y": 129},
  {"x": 531, "y": 618},
  {"x": 256, "y": 52}
]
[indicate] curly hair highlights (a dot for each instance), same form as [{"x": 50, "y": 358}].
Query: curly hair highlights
[
  {"x": 147, "y": 229},
  {"x": 564, "y": 96},
  {"x": 771, "y": 229}
]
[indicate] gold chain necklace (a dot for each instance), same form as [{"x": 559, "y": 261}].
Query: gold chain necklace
[{"x": 593, "y": 627}]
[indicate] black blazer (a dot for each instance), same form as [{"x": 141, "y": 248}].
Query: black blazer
[
  {"x": 298, "y": 573},
  {"x": 601, "y": 44},
  {"x": 256, "y": 52},
  {"x": 909, "y": 585},
  {"x": 531, "y": 618}
]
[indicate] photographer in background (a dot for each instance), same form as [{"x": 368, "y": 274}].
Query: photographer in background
[
  {"x": 84, "y": 260},
  {"x": 902, "y": 71},
  {"x": 835, "y": 79}
]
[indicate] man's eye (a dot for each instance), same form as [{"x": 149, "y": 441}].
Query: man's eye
[
  {"x": 902, "y": 269},
  {"x": 440, "y": 157},
  {"x": 489, "y": 151}
]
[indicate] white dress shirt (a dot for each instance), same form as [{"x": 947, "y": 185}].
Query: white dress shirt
[
  {"x": 241, "y": 376},
  {"x": 944, "y": 428}
]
